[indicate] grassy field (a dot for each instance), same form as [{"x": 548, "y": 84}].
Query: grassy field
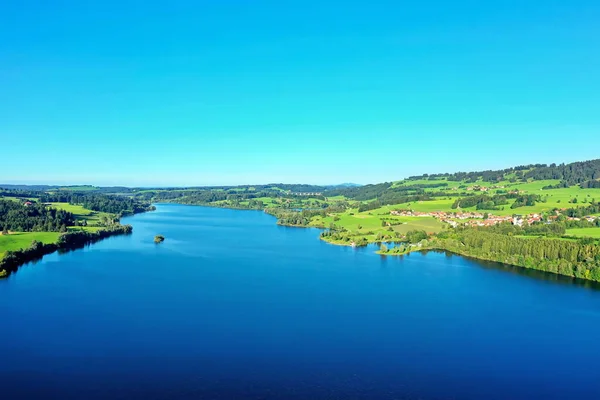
[
  {"x": 80, "y": 213},
  {"x": 429, "y": 225},
  {"x": 584, "y": 232},
  {"x": 20, "y": 240},
  {"x": 369, "y": 224}
]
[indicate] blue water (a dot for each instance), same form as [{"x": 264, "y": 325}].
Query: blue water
[{"x": 232, "y": 306}]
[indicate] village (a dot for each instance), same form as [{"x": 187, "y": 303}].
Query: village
[{"x": 473, "y": 218}]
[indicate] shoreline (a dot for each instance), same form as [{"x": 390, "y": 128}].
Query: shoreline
[
  {"x": 69, "y": 241},
  {"x": 434, "y": 244}
]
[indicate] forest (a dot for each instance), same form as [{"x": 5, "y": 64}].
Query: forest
[
  {"x": 579, "y": 259},
  {"x": 36, "y": 217},
  {"x": 583, "y": 173}
]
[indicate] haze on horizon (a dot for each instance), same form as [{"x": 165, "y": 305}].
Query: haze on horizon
[{"x": 196, "y": 93}]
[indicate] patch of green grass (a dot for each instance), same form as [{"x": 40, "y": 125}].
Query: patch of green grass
[
  {"x": 427, "y": 224},
  {"x": 21, "y": 240},
  {"x": 75, "y": 209},
  {"x": 584, "y": 232},
  {"x": 368, "y": 224},
  {"x": 80, "y": 213}
]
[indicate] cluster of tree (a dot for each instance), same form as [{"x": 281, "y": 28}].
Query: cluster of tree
[
  {"x": 482, "y": 202},
  {"x": 67, "y": 241},
  {"x": 340, "y": 235},
  {"x": 119, "y": 205},
  {"x": 385, "y": 192},
  {"x": 399, "y": 249},
  {"x": 559, "y": 185},
  {"x": 556, "y": 229},
  {"x": 36, "y": 217},
  {"x": 526, "y": 200},
  {"x": 385, "y": 221},
  {"x": 579, "y": 259},
  {"x": 580, "y": 212},
  {"x": 593, "y": 184},
  {"x": 301, "y": 217},
  {"x": 488, "y": 175},
  {"x": 415, "y": 236},
  {"x": 582, "y": 223}
]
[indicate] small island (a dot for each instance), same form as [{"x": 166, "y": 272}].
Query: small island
[{"x": 159, "y": 239}]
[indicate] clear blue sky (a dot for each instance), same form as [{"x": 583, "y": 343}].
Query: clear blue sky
[{"x": 228, "y": 92}]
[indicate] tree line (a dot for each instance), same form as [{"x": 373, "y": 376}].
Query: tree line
[
  {"x": 584, "y": 173},
  {"x": 12, "y": 260}
]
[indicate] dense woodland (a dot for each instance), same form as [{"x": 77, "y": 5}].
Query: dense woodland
[
  {"x": 584, "y": 173},
  {"x": 580, "y": 259},
  {"x": 14, "y": 216}
]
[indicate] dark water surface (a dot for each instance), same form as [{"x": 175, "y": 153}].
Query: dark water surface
[{"x": 233, "y": 306}]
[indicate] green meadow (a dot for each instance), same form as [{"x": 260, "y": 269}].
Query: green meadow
[
  {"x": 584, "y": 232},
  {"x": 81, "y": 213},
  {"x": 20, "y": 240},
  {"x": 369, "y": 224}
]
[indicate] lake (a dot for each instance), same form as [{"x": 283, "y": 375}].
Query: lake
[{"x": 232, "y": 306}]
